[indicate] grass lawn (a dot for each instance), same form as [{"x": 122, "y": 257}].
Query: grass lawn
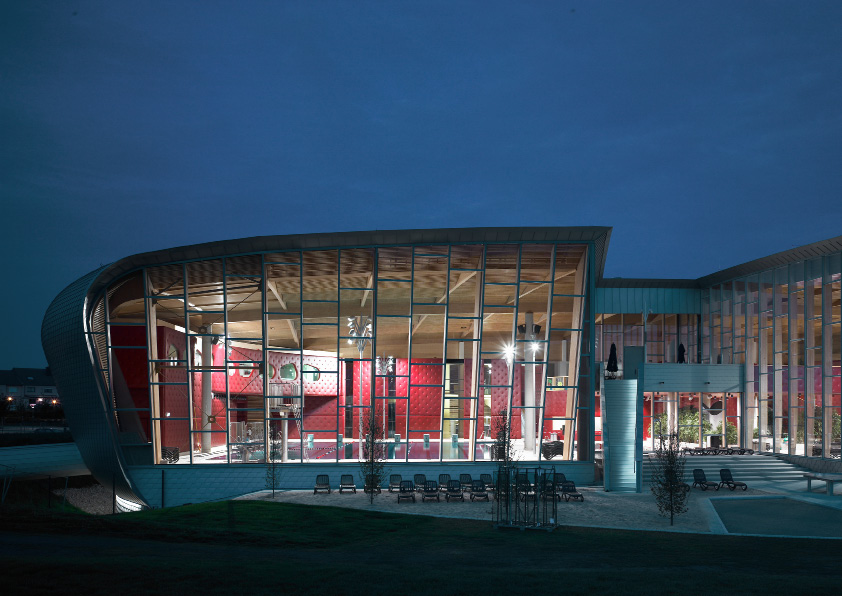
[{"x": 248, "y": 547}]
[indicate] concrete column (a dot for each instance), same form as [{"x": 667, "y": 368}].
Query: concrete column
[
  {"x": 207, "y": 390},
  {"x": 527, "y": 418},
  {"x": 284, "y": 436}
]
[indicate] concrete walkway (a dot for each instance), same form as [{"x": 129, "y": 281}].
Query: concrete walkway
[{"x": 601, "y": 509}]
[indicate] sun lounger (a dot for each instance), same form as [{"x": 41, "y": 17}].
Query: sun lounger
[
  {"x": 346, "y": 482},
  {"x": 406, "y": 490},
  {"x": 568, "y": 489},
  {"x": 700, "y": 480},
  {"x": 322, "y": 483},
  {"x": 395, "y": 483},
  {"x": 454, "y": 491},
  {"x": 431, "y": 491},
  {"x": 478, "y": 491},
  {"x": 728, "y": 480},
  {"x": 444, "y": 480},
  {"x": 420, "y": 481},
  {"x": 466, "y": 482}
]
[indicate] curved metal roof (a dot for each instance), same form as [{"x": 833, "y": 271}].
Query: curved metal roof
[
  {"x": 793, "y": 255},
  {"x": 599, "y": 235}
]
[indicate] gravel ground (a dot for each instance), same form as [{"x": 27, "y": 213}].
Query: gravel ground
[
  {"x": 94, "y": 499},
  {"x": 599, "y": 509}
]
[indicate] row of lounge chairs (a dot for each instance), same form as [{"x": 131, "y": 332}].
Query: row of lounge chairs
[
  {"x": 478, "y": 489},
  {"x": 717, "y": 451},
  {"x": 726, "y": 479}
]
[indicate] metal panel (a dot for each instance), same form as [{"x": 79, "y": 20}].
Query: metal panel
[
  {"x": 709, "y": 378},
  {"x": 635, "y": 299},
  {"x": 620, "y": 430},
  {"x": 65, "y": 343}
]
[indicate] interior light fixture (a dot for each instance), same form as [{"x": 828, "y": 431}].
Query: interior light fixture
[{"x": 509, "y": 352}]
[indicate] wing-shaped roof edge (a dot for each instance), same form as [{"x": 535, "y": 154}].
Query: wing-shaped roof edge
[{"x": 599, "y": 235}]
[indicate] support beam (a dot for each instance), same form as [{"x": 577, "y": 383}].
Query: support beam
[
  {"x": 573, "y": 358},
  {"x": 463, "y": 277},
  {"x": 274, "y": 289},
  {"x": 292, "y": 330},
  {"x": 368, "y": 284}
]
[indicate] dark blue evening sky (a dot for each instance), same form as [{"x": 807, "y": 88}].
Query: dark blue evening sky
[{"x": 708, "y": 134}]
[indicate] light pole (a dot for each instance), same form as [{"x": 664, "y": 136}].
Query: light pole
[{"x": 359, "y": 328}]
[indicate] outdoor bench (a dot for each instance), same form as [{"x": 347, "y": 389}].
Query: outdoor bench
[{"x": 828, "y": 479}]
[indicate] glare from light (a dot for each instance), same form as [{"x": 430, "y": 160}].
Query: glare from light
[
  {"x": 535, "y": 347},
  {"x": 509, "y": 352}
]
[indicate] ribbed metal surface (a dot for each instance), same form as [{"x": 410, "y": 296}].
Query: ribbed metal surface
[
  {"x": 71, "y": 358},
  {"x": 693, "y": 377},
  {"x": 637, "y": 299},
  {"x": 619, "y": 430}
]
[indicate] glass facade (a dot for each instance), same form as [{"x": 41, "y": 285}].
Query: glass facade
[
  {"x": 281, "y": 356},
  {"x": 784, "y": 325},
  {"x": 667, "y": 337}
]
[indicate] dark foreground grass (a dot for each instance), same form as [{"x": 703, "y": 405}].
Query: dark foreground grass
[{"x": 248, "y": 547}]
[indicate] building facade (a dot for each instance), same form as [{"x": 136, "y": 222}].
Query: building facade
[
  {"x": 23, "y": 388},
  {"x": 185, "y": 371}
]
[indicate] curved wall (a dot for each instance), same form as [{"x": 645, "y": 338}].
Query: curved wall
[{"x": 64, "y": 336}]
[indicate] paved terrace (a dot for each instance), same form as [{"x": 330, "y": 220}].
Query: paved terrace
[{"x": 627, "y": 511}]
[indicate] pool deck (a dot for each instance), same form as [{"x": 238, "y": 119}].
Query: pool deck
[{"x": 633, "y": 511}]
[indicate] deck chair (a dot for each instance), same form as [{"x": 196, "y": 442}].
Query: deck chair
[
  {"x": 346, "y": 482},
  {"x": 444, "y": 480},
  {"x": 395, "y": 483},
  {"x": 466, "y": 481},
  {"x": 728, "y": 480},
  {"x": 322, "y": 483},
  {"x": 371, "y": 484},
  {"x": 430, "y": 491},
  {"x": 421, "y": 481},
  {"x": 700, "y": 480},
  {"x": 558, "y": 485},
  {"x": 406, "y": 490},
  {"x": 488, "y": 481},
  {"x": 478, "y": 490},
  {"x": 454, "y": 491},
  {"x": 568, "y": 489},
  {"x": 170, "y": 455}
]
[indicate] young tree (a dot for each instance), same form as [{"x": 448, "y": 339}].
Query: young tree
[
  {"x": 668, "y": 485},
  {"x": 502, "y": 447},
  {"x": 372, "y": 464},
  {"x": 273, "y": 465}
]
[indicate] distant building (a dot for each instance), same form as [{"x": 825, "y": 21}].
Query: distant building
[{"x": 28, "y": 387}]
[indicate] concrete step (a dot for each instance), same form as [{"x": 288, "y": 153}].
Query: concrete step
[{"x": 746, "y": 468}]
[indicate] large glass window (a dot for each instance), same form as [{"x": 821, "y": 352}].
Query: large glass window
[{"x": 289, "y": 356}]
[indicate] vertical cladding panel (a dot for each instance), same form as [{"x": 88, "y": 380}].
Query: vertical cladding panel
[
  {"x": 85, "y": 405},
  {"x": 620, "y": 434}
]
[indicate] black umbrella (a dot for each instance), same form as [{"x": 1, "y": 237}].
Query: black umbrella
[
  {"x": 612, "y": 360},
  {"x": 681, "y": 351}
]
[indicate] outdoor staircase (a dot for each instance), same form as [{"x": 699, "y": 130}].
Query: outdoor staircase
[{"x": 745, "y": 468}]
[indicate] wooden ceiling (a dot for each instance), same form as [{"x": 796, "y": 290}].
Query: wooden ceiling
[{"x": 329, "y": 286}]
